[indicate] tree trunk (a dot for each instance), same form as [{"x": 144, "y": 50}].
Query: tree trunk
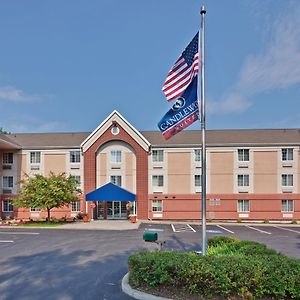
[{"x": 48, "y": 211}]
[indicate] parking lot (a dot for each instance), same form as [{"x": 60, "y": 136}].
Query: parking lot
[{"x": 89, "y": 264}]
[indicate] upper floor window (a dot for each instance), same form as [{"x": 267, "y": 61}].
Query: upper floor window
[
  {"x": 115, "y": 156},
  {"x": 243, "y": 180},
  {"x": 243, "y": 154},
  {"x": 7, "y": 206},
  {"x": 158, "y": 180},
  {"x": 116, "y": 179},
  {"x": 8, "y": 182},
  {"x": 77, "y": 179},
  {"x": 157, "y": 155},
  {"x": 287, "y": 205},
  {"x": 8, "y": 158},
  {"x": 287, "y": 179},
  {"x": 197, "y": 180},
  {"x": 74, "y": 156},
  {"x": 197, "y": 153},
  {"x": 287, "y": 154},
  {"x": 243, "y": 205},
  {"x": 35, "y": 157}
]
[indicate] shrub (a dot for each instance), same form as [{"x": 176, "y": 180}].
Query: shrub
[{"x": 232, "y": 268}]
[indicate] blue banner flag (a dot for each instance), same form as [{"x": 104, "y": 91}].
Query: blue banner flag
[{"x": 183, "y": 113}]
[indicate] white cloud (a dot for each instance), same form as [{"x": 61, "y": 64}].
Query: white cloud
[
  {"x": 277, "y": 66},
  {"x": 13, "y": 94}
]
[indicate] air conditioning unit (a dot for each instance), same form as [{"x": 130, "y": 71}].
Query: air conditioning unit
[
  {"x": 34, "y": 167},
  {"x": 7, "y": 191},
  {"x": 6, "y": 167}
]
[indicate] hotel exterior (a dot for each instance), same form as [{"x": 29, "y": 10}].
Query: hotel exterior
[{"x": 251, "y": 174}]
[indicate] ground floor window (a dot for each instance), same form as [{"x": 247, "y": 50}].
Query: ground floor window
[
  {"x": 243, "y": 205},
  {"x": 7, "y": 206},
  {"x": 287, "y": 205},
  {"x": 157, "y": 205},
  {"x": 76, "y": 205}
]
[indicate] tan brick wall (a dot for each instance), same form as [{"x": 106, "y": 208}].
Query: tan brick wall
[
  {"x": 55, "y": 163},
  {"x": 221, "y": 172}
]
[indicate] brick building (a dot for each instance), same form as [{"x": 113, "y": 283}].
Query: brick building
[{"x": 251, "y": 174}]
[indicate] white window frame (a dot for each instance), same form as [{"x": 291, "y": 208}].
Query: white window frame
[
  {"x": 197, "y": 155},
  {"x": 287, "y": 154},
  {"x": 75, "y": 206},
  {"x": 157, "y": 181},
  {"x": 286, "y": 207},
  {"x": 75, "y": 157},
  {"x": 157, "y": 205},
  {"x": 157, "y": 156},
  {"x": 8, "y": 207},
  {"x": 245, "y": 180},
  {"x": 116, "y": 179},
  {"x": 287, "y": 180},
  {"x": 243, "y": 155},
  {"x": 35, "y": 157},
  {"x": 197, "y": 178},
  {"x": 9, "y": 180},
  {"x": 116, "y": 156},
  {"x": 35, "y": 209},
  {"x": 77, "y": 178},
  {"x": 8, "y": 158},
  {"x": 243, "y": 205}
]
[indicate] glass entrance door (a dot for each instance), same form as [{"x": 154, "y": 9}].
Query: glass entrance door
[
  {"x": 116, "y": 210},
  {"x": 100, "y": 210}
]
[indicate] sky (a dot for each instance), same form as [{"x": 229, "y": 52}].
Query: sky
[{"x": 65, "y": 65}]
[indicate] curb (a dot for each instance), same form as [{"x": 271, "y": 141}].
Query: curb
[{"x": 127, "y": 289}]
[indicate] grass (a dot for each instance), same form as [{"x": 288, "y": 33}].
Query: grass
[{"x": 42, "y": 224}]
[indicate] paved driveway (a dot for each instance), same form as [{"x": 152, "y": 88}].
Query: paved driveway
[{"x": 89, "y": 264}]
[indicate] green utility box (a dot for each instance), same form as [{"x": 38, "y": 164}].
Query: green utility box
[{"x": 150, "y": 236}]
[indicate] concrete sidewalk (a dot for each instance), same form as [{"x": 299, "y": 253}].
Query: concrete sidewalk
[{"x": 102, "y": 225}]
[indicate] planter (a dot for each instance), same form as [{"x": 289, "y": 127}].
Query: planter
[
  {"x": 133, "y": 218},
  {"x": 85, "y": 218}
]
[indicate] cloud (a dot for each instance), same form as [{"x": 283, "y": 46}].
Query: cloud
[
  {"x": 13, "y": 94},
  {"x": 277, "y": 66}
]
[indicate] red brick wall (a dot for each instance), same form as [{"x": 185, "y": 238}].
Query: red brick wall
[{"x": 141, "y": 168}]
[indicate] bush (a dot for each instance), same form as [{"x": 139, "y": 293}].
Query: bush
[{"x": 232, "y": 268}]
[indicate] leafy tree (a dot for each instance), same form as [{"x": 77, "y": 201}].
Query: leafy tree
[
  {"x": 47, "y": 192},
  {"x": 3, "y": 131}
]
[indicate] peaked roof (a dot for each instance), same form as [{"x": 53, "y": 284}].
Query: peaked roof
[{"x": 110, "y": 192}]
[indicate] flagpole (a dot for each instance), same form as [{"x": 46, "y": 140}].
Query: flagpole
[{"x": 203, "y": 126}]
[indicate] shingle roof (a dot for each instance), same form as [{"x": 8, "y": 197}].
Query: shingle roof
[{"x": 242, "y": 137}]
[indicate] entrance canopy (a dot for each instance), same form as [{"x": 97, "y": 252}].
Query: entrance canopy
[{"x": 110, "y": 192}]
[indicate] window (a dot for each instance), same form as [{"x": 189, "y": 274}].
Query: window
[
  {"x": 77, "y": 178},
  {"x": 157, "y": 155},
  {"x": 35, "y": 209},
  {"x": 243, "y": 154},
  {"x": 7, "y": 206},
  {"x": 116, "y": 179},
  {"x": 35, "y": 157},
  {"x": 115, "y": 156},
  {"x": 8, "y": 158},
  {"x": 243, "y": 205},
  {"x": 158, "y": 180},
  {"x": 287, "y": 205},
  {"x": 243, "y": 180},
  {"x": 197, "y": 153},
  {"x": 197, "y": 180},
  {"x": 75, "y": 205},
  {"x": 287, "y": 179},
  {"x": 287, "y": 154},
  {"x": 157, "y": 205},
  {"x": 8, "y": 182},
  {"x": 74, "y": 157}
]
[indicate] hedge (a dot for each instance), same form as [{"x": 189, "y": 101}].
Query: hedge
[{"x": 232, "y": 268}]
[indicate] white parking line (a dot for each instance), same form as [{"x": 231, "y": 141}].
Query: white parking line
[
  {"x": 262, "y": 231},
  {"x": 191, "y": 227},
  {"x": 287, "y": 229},
  {"x": 173, "y": 228},
  {"x": 3, "y": 241},
  {"x": 20, "y": 232},
  {"x": 225, "y": 229}
]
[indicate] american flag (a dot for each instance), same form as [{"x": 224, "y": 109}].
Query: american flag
[{"x": 183, "y": 71}]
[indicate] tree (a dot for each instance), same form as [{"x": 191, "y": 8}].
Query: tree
[
  {"x": 47, "y": 192},
  {"x": 3, "y": 131}
]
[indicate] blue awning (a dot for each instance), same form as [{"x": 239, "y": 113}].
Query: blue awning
[{"x": 110, "y": 192}]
